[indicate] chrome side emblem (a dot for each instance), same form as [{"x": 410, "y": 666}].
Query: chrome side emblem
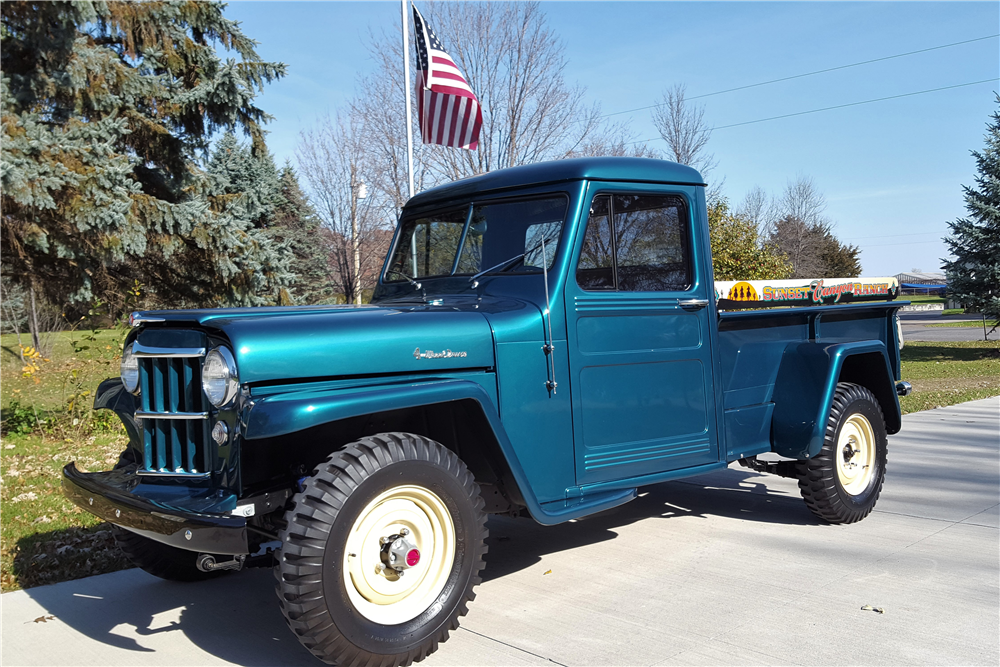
[{"x": 431, "y": 354}]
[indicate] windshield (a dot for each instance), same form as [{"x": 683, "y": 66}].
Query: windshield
[{"x": 464, "y": 242}]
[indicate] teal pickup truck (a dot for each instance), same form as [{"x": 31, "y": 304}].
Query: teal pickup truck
[{"x": 543, "y": 341}]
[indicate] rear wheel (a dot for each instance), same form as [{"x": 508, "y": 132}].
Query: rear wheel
[
  {"x": 381, "y": 552},
  {"x": 843, "y": 482}
]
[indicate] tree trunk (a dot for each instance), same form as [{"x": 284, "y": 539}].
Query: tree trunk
[
  {"x": 33, "y": 321},
  {"x": 356, "y": 269}
]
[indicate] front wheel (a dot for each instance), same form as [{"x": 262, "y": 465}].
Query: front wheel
[
  {"x": 382, "y": 550},
  {"x": 842, "y": 483}
]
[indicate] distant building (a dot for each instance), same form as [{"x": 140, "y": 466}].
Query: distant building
[
  {"x": 922, "y": 278},
  {"x": 921, "y": 282}
]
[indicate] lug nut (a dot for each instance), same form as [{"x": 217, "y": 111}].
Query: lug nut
[{"x": 404, "y": 531}]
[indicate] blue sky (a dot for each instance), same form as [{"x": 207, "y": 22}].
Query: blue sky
[{"x": 892, "y": 171}]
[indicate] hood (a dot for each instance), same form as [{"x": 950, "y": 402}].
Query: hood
[{"x": 293, "y": 343}]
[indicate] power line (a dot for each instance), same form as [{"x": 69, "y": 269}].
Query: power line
[
  {"x": 852, "y": 104},
  {"x": 888, "y": 236},
  {"x": 888, "y": 245},
  {"x": 820, "y": 71}
]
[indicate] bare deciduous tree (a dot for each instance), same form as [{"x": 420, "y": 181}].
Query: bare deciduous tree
[
  {"x": 514, "y": 62},
  {"x": 614, "y": 141},
  {"x": 800, "y": 241},
  {"x": 802, "y": 200},
  {"x": 760, "y": 208},
  {"x": 335, "y": 160},
  {"x": 804, "y": 234},
  {"x": 682, "y": 125},
  {"x": 382, "y": 104}
]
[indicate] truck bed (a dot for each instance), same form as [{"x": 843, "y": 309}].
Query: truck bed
[{"x": 754, "y": 343}]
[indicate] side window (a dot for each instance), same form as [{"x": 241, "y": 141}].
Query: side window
[
  {"x": 595, "y": 270},
  {"x": 652, "y": 244},
  {"x": 635, "y": 243}
]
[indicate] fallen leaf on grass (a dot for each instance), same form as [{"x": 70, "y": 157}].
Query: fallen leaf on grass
[{"x": 877, "y": 610}]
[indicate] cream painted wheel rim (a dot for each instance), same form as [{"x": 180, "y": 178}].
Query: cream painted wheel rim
[
  {"x": 378, "y": 594},
  {"x": 855, "y": 454}
]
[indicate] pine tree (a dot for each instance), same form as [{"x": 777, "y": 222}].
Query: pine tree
[
  {"x": 107, "y": 107},
  {"x": 243, "y": 184},
  {"x": 250, "y": 188},
  {"x": 296, "y": 223},
  {"x": 841, "y": 260},
  {"x": 974, "y": 274}
]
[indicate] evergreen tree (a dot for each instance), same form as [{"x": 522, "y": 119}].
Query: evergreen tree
[
  {"x": 841, "y": 260},
  {"x": 107, "y": 107},
  {"x": 250, "y": 188},
  {"x": 737, "y": 253},
  {"x": 296, "y": 223},
  {"x": 974, "y": 274},
  {"x": 244, "y": 185}
]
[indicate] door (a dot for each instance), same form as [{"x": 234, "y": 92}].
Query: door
[{"x": 638, "y": 322}]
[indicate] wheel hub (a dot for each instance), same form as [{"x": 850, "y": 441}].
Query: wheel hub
[
  {"x": 398, "y": 553},
  {"x": 857, "y": 454}
]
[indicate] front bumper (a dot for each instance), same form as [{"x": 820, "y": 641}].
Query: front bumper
[{"x": 194, "y": 527}]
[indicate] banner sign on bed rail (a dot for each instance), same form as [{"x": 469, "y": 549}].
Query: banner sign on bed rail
[{"x": 736, "y": 294}]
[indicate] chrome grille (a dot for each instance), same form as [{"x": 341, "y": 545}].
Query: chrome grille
[{"x": 174, "y": 413}]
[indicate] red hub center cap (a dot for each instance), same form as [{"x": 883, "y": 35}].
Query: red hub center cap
[{"x": 412, "y": 557}]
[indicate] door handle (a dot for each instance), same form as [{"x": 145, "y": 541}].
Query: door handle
[{"x": 692, "y": 304}]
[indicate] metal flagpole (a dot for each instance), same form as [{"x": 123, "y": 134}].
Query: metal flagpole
[{"x": 406, "y": 78}]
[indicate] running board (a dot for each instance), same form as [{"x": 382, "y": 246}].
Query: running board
[{"x": 572, "y": 508}]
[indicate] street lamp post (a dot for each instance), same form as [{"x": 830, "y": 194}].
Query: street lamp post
[{"x": 358, "y": 191}]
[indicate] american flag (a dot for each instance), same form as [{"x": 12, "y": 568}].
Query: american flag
[{"x": 448, "y": 110}]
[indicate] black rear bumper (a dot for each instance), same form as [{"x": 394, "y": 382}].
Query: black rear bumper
[{"x": 109, "y": 496}]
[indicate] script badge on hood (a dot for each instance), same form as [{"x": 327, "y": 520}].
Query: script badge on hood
[{"x": 431, "y": 354}]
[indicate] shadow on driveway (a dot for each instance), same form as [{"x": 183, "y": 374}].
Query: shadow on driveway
[{"x": 236, "y": 617}]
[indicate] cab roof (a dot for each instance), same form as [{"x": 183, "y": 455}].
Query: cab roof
[{"x": 631, "y": 169}]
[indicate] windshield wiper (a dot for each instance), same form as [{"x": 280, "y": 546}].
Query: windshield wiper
[
  {"x": 506, "y": 264},
  {"x": 499, "y": 267},
  {"x": 408, "y": 278}
]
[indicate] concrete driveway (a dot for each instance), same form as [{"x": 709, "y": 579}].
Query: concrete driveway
[
  {"x": 729, "y": 568},
  {"x": 915, "y": 327}
]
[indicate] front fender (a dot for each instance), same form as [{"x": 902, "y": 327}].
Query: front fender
[
  {"x": 112, "y": 395},
  {"x": 283, "y": 414},
  {"x": 805, "y": 385}
]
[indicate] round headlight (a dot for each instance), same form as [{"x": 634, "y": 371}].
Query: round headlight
[
  {"x": 130, "y": 370},
  {"x": 218, "y": 376}
]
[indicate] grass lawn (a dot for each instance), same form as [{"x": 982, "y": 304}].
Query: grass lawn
[
  {"x": 966, "y": 323},
  {"x": 947, "y": 373},
  {"x": 45, "y": 539},
  {"x": 922, "y": 298},
  {"x": 66, "y": 374}
]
